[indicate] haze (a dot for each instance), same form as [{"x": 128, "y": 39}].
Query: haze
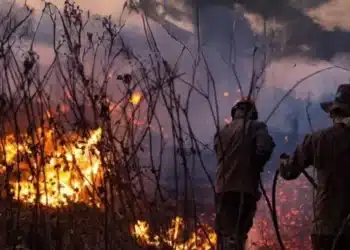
[{"x": 304, "y": 53}]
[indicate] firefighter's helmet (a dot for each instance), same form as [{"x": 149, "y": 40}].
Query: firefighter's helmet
[{"x": 246, "y": 105}]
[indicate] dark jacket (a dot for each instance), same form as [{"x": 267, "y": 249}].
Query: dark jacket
[
  {"x": 241, "y": 155},
  {"x": 328, "y": 151}
]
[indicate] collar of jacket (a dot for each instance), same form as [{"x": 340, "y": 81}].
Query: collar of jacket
[{"x": 240, "y": 114}]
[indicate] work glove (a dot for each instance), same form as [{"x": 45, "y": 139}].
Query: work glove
[{"x": 283, "y": 160}]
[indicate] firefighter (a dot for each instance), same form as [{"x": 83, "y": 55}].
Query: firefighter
[
  {"x": 242, "y": 149},
  {"x": 328, "y": 151}
]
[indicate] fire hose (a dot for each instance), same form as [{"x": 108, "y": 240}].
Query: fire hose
[
  {"x": 273, "y": 209},
  {"x": 272, "y": 205}
]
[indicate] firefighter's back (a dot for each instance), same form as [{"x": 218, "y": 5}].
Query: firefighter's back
[
  {"x": 235, "y": 147},
  {"x": 332, "y": 161}
]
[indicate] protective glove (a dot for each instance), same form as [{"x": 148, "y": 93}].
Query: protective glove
[{"x": 283, "y": 160}]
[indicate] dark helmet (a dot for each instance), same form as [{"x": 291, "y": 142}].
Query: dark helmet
[{"x": 247, "y": 106}]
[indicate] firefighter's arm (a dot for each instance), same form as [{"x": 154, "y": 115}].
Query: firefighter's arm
[
  {"x": 291, "y": 167},
  {"x": 264, "y": 144}
]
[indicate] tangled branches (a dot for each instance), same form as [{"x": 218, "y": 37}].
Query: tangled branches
[{"x": 98, "y": 138}]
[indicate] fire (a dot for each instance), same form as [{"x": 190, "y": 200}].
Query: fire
[
  {"x": 294, "y": 216},
  {"x": 136, "y": 98},
  {"x": 294, "y": 211},
  {"x": 204, "y": 238},
  {"x": 226, "y": 94},
  {"x": 61, "y": 170}
]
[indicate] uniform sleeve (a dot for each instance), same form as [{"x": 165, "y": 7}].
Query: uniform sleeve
[
  {"x": 301, "y": 159},
  {"x": 264, "y": 144}
]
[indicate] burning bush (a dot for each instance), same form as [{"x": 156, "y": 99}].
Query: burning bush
[
  {"x": 204, "y": 238},
  {"x": 54, "y": 169}
]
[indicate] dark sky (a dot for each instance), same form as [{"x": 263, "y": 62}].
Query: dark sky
[{"x": 298, "y": 32}]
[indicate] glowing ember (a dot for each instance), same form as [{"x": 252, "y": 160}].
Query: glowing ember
[
  {"x": 294, "y": 209},
  {"x": 204, "y": 238},
  {"x": 60, "y": 170},
  {"x": 136, "y": 98},
  {"x": 294, "y": 214},
  {"x": 226, "y": 94},
  {"x": 64, "y": 108},
  {"x": 228, "y": 120},
  {"x": 71, "y": 172}
]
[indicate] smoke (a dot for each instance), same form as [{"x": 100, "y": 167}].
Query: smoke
[
  {"x": 219, "y": 26},
  {"x": 282, "y": 73}
]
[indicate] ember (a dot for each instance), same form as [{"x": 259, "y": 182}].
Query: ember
[
  {"x": 72, "y": 170},
  {"x": 68, "y": 174},
  {"x": 294, "y": 215},
  {"x": 294, "y": 210},
  {"x": 136, "y": 98}
]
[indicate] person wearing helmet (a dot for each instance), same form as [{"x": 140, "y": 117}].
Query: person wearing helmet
[
  {"x": 328, "y": 150},
  {"x": 242, "y": 149}
]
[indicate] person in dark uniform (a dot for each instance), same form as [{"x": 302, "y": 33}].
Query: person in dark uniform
[
  {"x": 242, "y": 148},
  {"x": 328, "y": 150}
]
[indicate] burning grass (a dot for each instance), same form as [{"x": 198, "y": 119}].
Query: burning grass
[
  {"x": 294, "y": 210},
  {"x": 204, "y": 237},
  {"x": 59, "y": 170}
]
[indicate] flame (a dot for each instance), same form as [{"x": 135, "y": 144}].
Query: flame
[
  {"x": 72, "y": 168},
  {"x": 294, "y": 216},
  {"x": 226, "y": 93},
  {"x": 136, "y": 98},
  {"x": 204, "y": 238},
  {"x": 68, "y": 174}
]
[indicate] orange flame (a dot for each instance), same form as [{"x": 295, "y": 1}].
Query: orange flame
[
  {"x": 66, "y": 171},
  {"x": 204, "y": 238},
  {"x": 136, "y": 98}
]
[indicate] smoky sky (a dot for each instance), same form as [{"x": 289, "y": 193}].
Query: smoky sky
[
  {"x": 300, "y": 34},
  {"x": 224, "y": 79}
]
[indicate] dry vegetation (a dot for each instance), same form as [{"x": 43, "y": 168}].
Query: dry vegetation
[{"x": 72, "y": 175}]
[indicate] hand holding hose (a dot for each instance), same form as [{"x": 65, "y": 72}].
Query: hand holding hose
[{"x": 284, "y": 159}]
